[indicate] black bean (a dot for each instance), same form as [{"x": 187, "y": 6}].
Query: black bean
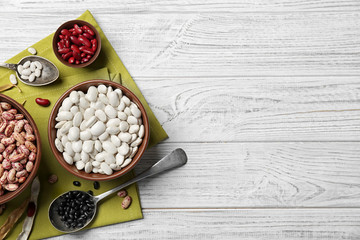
[
  {"x": 96, "y": 185},
  {"x": 77, "y": 183}
]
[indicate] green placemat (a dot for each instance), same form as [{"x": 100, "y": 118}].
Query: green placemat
[{"x": 108, "y": 66}]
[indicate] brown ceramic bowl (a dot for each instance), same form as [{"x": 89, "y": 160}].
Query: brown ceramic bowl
[
  {"x": 10, "y": 195},
  {"x": 97, "y": 176},
  {"x": 68, "y": 25}
]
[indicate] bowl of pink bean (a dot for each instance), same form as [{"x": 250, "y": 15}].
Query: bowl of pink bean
[
  {"x": 76, "y": 43},
  {"x": 20, "y": 149}
]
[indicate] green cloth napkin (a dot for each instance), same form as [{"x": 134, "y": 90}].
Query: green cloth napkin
[{"x": 108, "y": 66}]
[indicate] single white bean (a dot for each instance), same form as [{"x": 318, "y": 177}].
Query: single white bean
[
  {"x": 26, "y": 64},
  {"x": 98, "y": 146},
  {"x": 88, "y": 167},
  {"x": 124, "y": 126},
  {"x": 126, "y": 100},
  {"x": 132, "y": 120},
  {"x": 110, "y": 111},
  {"x": 32, "y": 50},
  {"x": 113, "y": 122},
  {"x": 20, "y": 68},
  {"x": 109, "y": 158},
  {"x": 113, "y": 130},
  {"x": 91, "y": 94},
  {"x": 102, "y": 89},
  {"x": 125, "y": 137},
  {"x": 104, "y": 99},
  {"x": 32, "y": 77},
  {"x": 135, "y": 111},
  {"x": 136, "y": 143},
  {"x": 88, "y": 146},
  {"x": 104, "y": 136},
  {"x": 66, "y": 127},
  {"x": 38, "y": 65},
  {"x": 133, "y": 152},
  {"x": 68, "y": 149},
  {"x": 24, "y": 77},
  {"x": 67, "y": 104},
  {"x": 68, "y": 159},
  {"x": 122, "y": 116},
  {"x": 13, "y": 79},
  {"x": 141, "y": 131},
  {"x": 80, "y": 165},
  {"x": 126, "y": 162},
  {"x": 115, "y": 140},
  {"x": 77, "y": 146},
  {"x": 37, "y": 72},
  {"x": 113, "y": 99},
  {"x": 124, "y": 149},
  {"x": 77, "y": 157},
  {"x": 74, "y": 110},
  {"x": 134, "y": 128},
  {"x": 109, "y": 147},
  {"x": 89, "y": 113},
  {"x": 100, "y": 115},
  {"x": 90, "y": 122},
  {"x": 78, "y": 119},
  {"x": 74, "y": 134},
  {"x": 59, "y": 145},
  {"x": 26, "y": 72},
  {"x": 119, "y": 159},
  {"x": 32, "y": 67},
  {"x": 121, "y": 106},
  {"x": 98, "y": 128},
  {"x": 105, "y": 167},
  {"x": 84, "y": 156},
  {"x": 74, "y": 97}
]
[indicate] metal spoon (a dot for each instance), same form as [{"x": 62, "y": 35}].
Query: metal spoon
[
  {"x": 175, "y": 159},
  {"x": 49, "y": 72}
]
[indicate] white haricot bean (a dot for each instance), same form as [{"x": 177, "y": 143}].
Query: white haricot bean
[
  {"x": 38, "y": 65},
  {"x": 100, "y": 115},
  {"x": 26, "y": 72},
  {"x": 32, "y": 77},
  {"x": 105, "y": 167},
  {"x": 141, "y": 131},
  {"x": 26, "y": 64},
  {"x": 32, "y": 67},
  {"x": 102, "y": 132},
  {"x": 37, "y": 72},
  {"x": 124, "y": 126},
  {"x": 13, "y": 79},
  {"x": 32, "y": 50}
]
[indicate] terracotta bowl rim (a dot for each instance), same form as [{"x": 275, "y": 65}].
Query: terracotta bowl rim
[
  {"x": 56, "y": 38},
  {"x": 11, "y": 195},
  {"x": 97, "y": 176}
]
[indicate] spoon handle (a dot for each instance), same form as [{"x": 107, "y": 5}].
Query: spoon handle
[
  {"x": 175, "y": 159},
  {"x": 8, "y": 65}
]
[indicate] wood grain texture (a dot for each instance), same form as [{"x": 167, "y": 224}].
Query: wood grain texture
[
  {"x": 247, "y": 224},
  {"x": 262, "y": 95},
  {"x": 220, "y": 175},
  {"x": 168, "y": 6},
  {"x": 256, "y": 108},
  {"x": 212, "y": 44}
]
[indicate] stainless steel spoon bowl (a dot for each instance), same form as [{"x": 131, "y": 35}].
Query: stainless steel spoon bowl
[
  {"x": 49, "y": 74},
  {"x": 175, "y": 159}
]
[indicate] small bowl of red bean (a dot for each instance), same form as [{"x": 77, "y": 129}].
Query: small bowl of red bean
[
  {"x": 76, "y": 43},
  {"x": 20, "y": 149}
]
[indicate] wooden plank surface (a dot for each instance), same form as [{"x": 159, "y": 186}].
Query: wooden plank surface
[
  {"x": 256, "y": 108},
  {"x": 247, "y": 224},
  {"x": 239, "y": 175},
  {"x": 212, "y": 44},
  {"x": 262, "y": 95}
]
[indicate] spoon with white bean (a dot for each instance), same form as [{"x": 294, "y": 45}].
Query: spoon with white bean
[
  {"x": 88, "y": 203},
  {"x": 34, "y": 70}
]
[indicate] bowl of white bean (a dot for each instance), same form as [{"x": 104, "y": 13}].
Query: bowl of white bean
[{"x": 98, "y": 130}]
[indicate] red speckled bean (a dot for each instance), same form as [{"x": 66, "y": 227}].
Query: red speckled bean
[
  {"x": 18, "y": 137},
  {"x": 5, "y": 105},
  {"x": 22, "y": 173},
  {"x": 11, "y": 187},
  {"x": 23, "y": 149},
  {"x": 19, "y": 126},
  {"x": 2, "y": 147},
  {"x": 17, "y": 157},
  {"x": 8, "y": 116},
  {"x": 17, "y": 166},
  {"x": 28, "y": 129},
  {"x": 22, "y": 179},
  {"x": 9, "y": 130},
  {"x": 30, "y": 146},
  {"x": 8, "y": 141},
  {"x": 3, "y": 179},
  {"x": 12, "y": 111},
  {"x": 32, "y": 156},
  {"x": 19, "y": 116},
  {"x": 29, "y": 166},
  {"x": 6, "y": 164}
]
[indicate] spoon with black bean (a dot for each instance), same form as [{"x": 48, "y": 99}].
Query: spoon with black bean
[{"x": 74, "y": 210}]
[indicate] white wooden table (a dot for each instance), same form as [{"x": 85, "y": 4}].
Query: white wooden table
[{"x": 264, "y": 96}]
